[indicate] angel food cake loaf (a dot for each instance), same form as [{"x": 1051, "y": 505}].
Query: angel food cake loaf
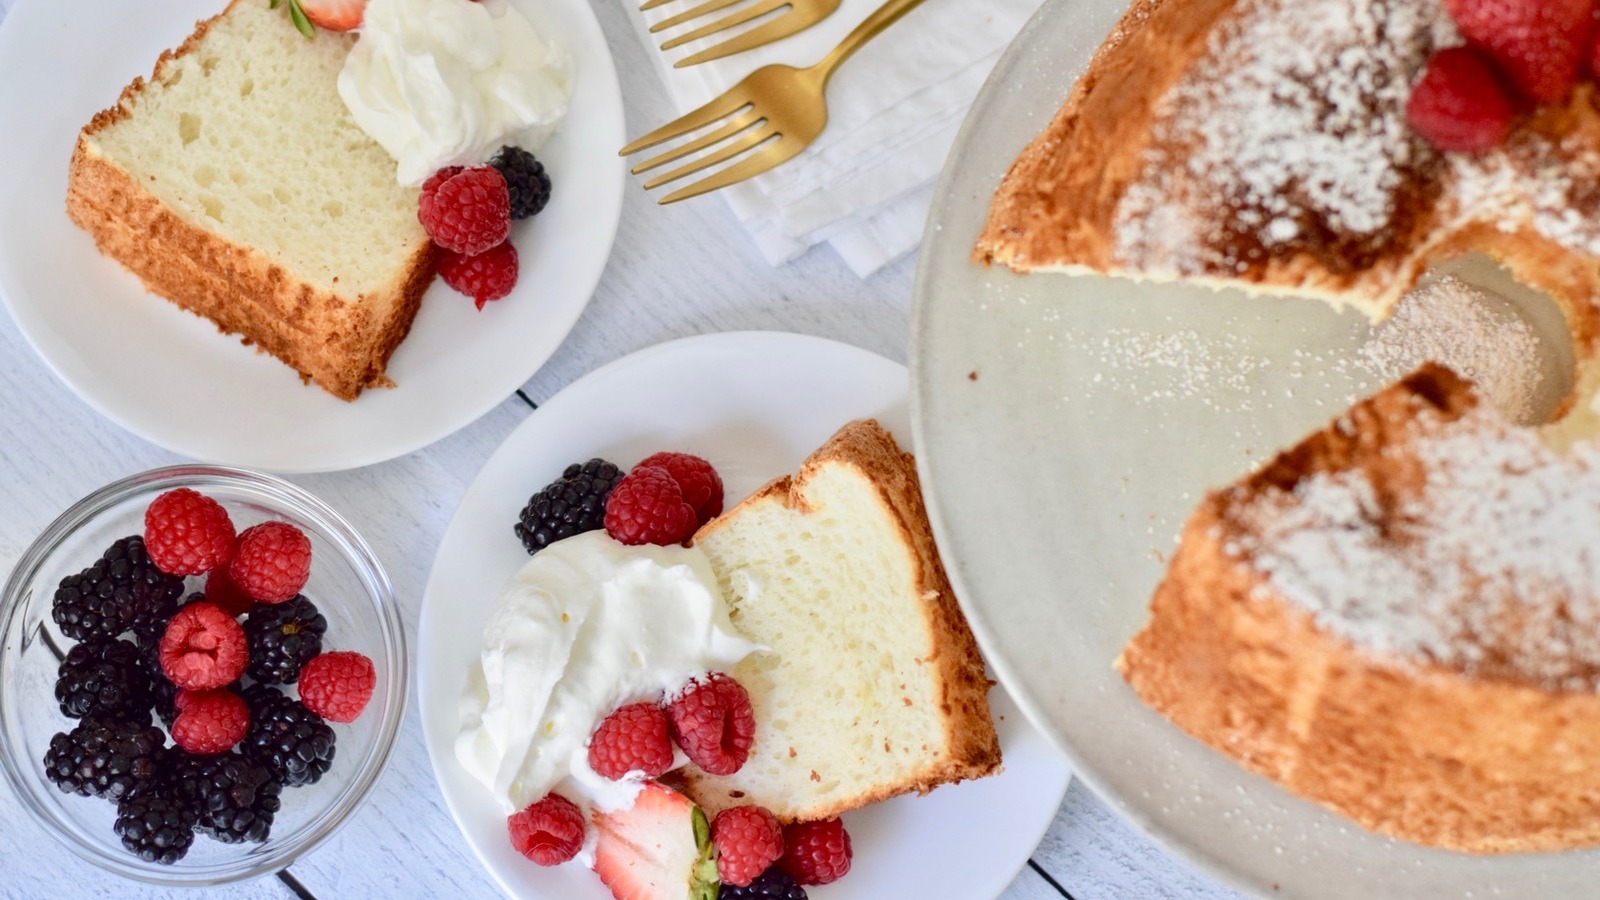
[
  {"x": 235, "y": 183},
  {"x": 1398, "y": 618}
]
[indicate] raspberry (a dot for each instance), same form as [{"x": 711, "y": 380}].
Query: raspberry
[
  {"x": 468, "y": 212},
  {"x": 702, "y": 486},
  {"x": 632, "y": 739},
  {"x": 1459, "y": 105},
  {"x": 213, "y": 721},
  {"x": 337, "y": 686},
  {"x": 748, "y": 839},
  {"x": 816, "y": 852},
  {"x": 713, "y": 722},
  {"x": 1538, "y": 44},
  {"x": 203, "y": 648},
  {"x": 228, "y": 596},
  {"x": 431, "y": 186},
  {"x": 549, "y": 832},
  {"x": 271, "y": 562},
  {"x": 187, "y": 533},
  {"x": 647, "y": 507},
  {"x": 488, "y": 276},
  {"x": 526, "y": 181}
]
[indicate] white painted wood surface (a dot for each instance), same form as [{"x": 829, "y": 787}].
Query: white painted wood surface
[{"x": 675, "y": 271}]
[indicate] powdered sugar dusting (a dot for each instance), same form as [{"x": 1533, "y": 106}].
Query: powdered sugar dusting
[
  {"x": 1449, "y": 321},
  {"x": 1532, "y": 181},
  {"x": 1491, "y": 566},
  {"x": 1292, "y": 125}
]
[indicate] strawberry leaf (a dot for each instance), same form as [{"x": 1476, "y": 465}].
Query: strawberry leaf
[{"x": 300, "y": 21}]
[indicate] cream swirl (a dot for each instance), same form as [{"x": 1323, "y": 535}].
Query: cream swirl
[
  {"x": 585, "y": 626},
  {"x": 448, "y": 82}
]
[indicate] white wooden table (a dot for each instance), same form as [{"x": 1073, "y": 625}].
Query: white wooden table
[{"x": 675, "y": 271}]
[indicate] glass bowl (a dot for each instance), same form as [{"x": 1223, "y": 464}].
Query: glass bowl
[{"x": 347, "y": 584}]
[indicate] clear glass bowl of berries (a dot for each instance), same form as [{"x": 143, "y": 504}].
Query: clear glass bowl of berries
[{"x": 202, "y": 672}]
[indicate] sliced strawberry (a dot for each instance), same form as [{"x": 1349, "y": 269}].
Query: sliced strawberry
[
  {"x": 334, "y": 15},
  {"x": 1540, "y": 45},
  {"x": 658, "y": 848}
]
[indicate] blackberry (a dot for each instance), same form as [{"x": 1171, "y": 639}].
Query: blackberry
[
  {"x": 233, "y": 798},
  {"x": 104, "y": 758},
  {"x": 773, "y": 884},
  {"x": 123, "y": 590},
  {"x": 104, "y": 678},
  {"x": 572, "y": 504},
  {"x": 526, "y": 181},
  {"x": 282, "y": 638},
  {"x": 156, "y": 826},
  {"x": 286, "y": 737}
]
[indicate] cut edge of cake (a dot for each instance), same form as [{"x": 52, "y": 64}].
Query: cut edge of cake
[{"x": 948, "y": 658}]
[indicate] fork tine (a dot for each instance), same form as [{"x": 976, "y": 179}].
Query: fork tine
[
  {"x": 747, "y": 142},
  {"x": 710, "y": 6},
  {"x": 700, "y": 143},
  {"x": 778, "y": 28},
  {"x": 737, "y": 18},
  {"x": 733, "y": 101},
  {"x": 652, "y": 4},
  {"x": 758, "y": 162}
]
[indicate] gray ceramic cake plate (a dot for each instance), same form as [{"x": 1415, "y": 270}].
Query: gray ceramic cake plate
[{"x": 1066, "y": 427}]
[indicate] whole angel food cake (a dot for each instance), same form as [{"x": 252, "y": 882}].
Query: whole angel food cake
[
  {"x": 1399, "y": 617},
  {"x": 235, "y": 183}
]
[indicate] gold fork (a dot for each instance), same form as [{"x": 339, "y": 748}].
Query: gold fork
[
  {"x": 797, "y": 15},
  {"x": 778, "y": 109}
]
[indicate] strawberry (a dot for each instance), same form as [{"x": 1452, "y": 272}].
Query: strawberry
[
  {"x": 333, "y": 15},
  {"x": 1459, "y": 105},
  {"x": 1540, "y": 45},
  {"x": 660, "y": 847}
]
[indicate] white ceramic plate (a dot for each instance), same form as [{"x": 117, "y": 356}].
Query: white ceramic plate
[
  {"x": 755, "y": 404},
  {"x": 1099, "y": 411},
  {"x": 168, "y": 375}
]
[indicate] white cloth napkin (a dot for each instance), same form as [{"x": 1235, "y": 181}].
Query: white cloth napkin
[{"x": 865, "y": 185}]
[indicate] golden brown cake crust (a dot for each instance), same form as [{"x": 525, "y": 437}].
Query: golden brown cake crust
[
  {"x": 955, "y": 665},
  {"x": 1413, "y": 750},
  {"x": 343, "y": 344},
  {"x": 1121, "y": 181}
]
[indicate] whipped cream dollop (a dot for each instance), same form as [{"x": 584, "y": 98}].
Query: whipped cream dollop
[
  {"x": 586, "y": 626},
  {"x": 448, "y": 82}
]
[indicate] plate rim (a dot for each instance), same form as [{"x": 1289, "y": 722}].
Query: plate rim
[
  {"x": 713, "y": 341},
  {"x": 1221, "y": 867},
  {"x": 607, "y": 224}
]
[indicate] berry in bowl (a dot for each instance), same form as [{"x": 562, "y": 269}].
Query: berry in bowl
[{"x": 202, "y": 672}]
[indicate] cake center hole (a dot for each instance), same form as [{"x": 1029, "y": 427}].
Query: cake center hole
[{"x": 1469, "y": 314}]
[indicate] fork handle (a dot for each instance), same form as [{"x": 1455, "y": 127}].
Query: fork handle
[{"x": 884, "y": 16}]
